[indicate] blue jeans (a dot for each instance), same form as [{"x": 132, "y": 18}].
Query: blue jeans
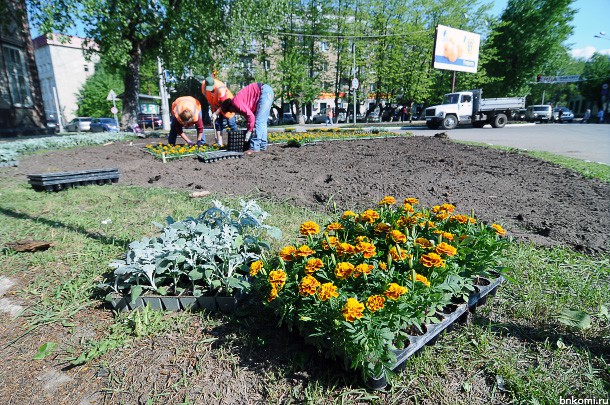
[
  {"x": 220, "y": 123},
  {"x": 258, "y": 141}
]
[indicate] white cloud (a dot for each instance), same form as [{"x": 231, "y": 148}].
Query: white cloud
[
  {"x": 583, "y": 53},
  {"x": 604, "y": 51}
]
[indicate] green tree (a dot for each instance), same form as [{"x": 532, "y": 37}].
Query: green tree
[
  {"x": 595, "y": 74},
  {"x": 91, "y": 99},
  {"x": 528, "y": 40}
]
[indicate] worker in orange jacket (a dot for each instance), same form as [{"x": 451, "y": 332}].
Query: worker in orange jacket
[
  {"x": 186, "y": 112},
  {"x": 215, "y": 91}
]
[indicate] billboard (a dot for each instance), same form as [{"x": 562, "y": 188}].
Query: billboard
[{"x": 456, "y": 49}]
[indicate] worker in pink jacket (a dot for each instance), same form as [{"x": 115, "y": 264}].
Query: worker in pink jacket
[{"x": 254, "y": 103}]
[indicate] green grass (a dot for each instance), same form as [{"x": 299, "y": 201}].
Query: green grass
[{"x": 514, "y": 350}]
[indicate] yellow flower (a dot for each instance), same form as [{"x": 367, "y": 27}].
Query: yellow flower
[
  {"x": 432, "y": 260},
  {"x": 309, "y": 228},
  {"x": 277, "y": 278},
  {"x": 334, "y": 242},
  {"x": 272, "y": 294},
  {"x": 369, "y": 216},
  {"x": 362, "y": 238},
  {"x": 343, "y": 270},
  {"x": 327, "y": 291},
  {"x": 352, "y": 310},
  {"x": 308, "y": 286},
  {"x": 446, "y": 235},
  {"x": 287, "y": 252},
  {"x": 411, "y": 200},
  {"x": 422, "y": 279},
  {"x": 394, "y": 291},
  {"x": 499, "y": 230},
  {"x": 396, "y": 257},
  {"x": 367, "y": 249},
  {"x": 423, "y": 242},
  {"x": 441, "y": 216},
  {"x": 428, "y": 224},
  {"x": 349, "y": 214},
  {"x": 462, "y": 219},
  {"x": 397, "y": 236},
  {"x": 383, "y": 266},
  {"x": 375, "y": 302},
  {"x": 303, "y": 251},
  {"x": 255, "y": 267},
  {"x": 345, "y": 248},
  {"x": 313, "y": 265},
  {"x": 362, "y": 268},
  {"x": 382, "y": 228},
  {"x": 445, "y": 248},
  {"x": 387, "y": 200},
  {"x": 334, "y": 226}
]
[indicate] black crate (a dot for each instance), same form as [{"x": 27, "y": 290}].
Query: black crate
[
  {"x": 63, "y": 180},
  {"x": 237, "y": 141}
]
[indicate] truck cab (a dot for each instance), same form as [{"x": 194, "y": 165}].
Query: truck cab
[{"x": 455, "y": 108}]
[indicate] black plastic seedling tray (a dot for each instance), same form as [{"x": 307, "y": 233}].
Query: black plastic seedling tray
[
  {"x": 209, "y": 157},
  {"x": 63, "y": 180}
]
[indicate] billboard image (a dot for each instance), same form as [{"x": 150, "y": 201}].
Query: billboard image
[{"x": 456, "y": 49}]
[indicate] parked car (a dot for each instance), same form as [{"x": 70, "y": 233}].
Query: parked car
[
  {"x": 566, "y": 114},
  {"x": 288, "y": 119},
  {"x": 104, "y": 125},
  {"x": 519, "y": 115},
  {"x": 542, "y": 113},
  {"x": 341, "y": 115},
  {"x": 320, "y": 118},
  {"x": 374, "y": 117},
  {"x": 153, "y": 121},
  {"x": 79, "y": 124}
]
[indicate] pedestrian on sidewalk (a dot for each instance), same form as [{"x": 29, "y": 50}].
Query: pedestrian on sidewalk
[{"x": 329, "y": 116}]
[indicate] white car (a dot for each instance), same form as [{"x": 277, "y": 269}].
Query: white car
[
  {"x": 566, "y": 114},
  {"x": 79, "y": 124},
  {"x": 542, "y": 113}
]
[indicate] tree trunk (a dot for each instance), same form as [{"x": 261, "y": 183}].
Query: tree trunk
[{"x": 131, "y": 99}]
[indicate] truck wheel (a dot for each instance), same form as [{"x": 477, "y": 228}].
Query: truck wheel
[
  {"x": 450, "y": 122},
  {"x": 499, "y": 121},
  {"x": 432, "y": 124},
  {"x": 479, "y": 124}
]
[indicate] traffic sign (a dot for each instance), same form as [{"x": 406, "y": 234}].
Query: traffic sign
[
  {"x": 114, "y": 110},
  {"x": 111, "y": 96},
  {"x": 355, "y": 83}
]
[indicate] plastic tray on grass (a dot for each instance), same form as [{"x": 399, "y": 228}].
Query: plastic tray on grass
[{"x": 61, "y": 180}]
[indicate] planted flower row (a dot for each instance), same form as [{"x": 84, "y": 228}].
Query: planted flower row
[
  {"x": 178, "y": 151},
  {"x": 356, "y": 287}
]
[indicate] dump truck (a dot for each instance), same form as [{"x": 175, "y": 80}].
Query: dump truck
[{"x": 468, "y": 107}]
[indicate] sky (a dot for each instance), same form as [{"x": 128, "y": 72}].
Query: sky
[{"x": 592, "y": 18}]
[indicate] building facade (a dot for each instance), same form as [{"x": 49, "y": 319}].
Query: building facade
[
  {"x": 21, "y": 109},
  {"x": 63, "y": 68}
]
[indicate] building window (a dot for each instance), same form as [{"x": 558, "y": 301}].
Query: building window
[
  {"x": 324, "y": 66},
  {"x": 86, "y": 68},
  {"x": 324, "y": 46},
  {"x": 266, "y": 65},
  {"x": 18, "y": 78}
]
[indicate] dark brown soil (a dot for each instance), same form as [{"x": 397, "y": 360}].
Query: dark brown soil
[{"x": 534, "y": 200}]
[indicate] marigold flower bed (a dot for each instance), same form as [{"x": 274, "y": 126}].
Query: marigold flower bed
[
  {"x": 357, "y": 287},
  {"x": 178, "y": 151}
]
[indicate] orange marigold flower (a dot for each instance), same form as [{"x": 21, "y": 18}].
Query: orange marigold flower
[
  {"x": 352, "y": 310},
  {"x": 445, "y": 248},
  {"x": 334, "y": 242},
  {"x": 335, "y": 226},
  {"x": 428, "y": 224},
  {"x": 446, "y": 235},
  {"x": 345, "y": 248},
  {"x": 423, "y": 242},
  {"x": 272, "y": 294},
  {"x": 362, "y": 238},
  {"x": 369, "y": 216},
  {"x": 303, "y": 251},
  {"x": 382, "y": 227},
  {"x": 387, "y": 200},
  {"x": 375, "y": 302},
  {"x": 343, "y": 270},
  {"x": 499, "y": 230},
  {"x": 255, "y": 267},
  {"x": 309, "y": 228},
  {"x": 349, "y": 214},
  {"x": 472, "y": 220},
  {"x": 313, "y": 265},
  {"x": 441, "y": 216},
  {"x": 368, "y": 250},
  {"x": 362, "y": 268},
  {"x": 448, "y": 207},
  {"x": 308, "y": 286},
  {"x": 397, "y": 236},
  {"x": 383, "y": 266},
  {"x": 287, "y": 252},
  {"x": 407, "y": 207},
  {"x": 327, "y": 291},
  {"x": 462, "y": 219},
  {"x": 277, "y": 278},
  {"x": 404, "y": 221},
  {"x": 396, "y": 257},
  {"x": 422, "y": 279},
  {"x": 432, "y": 260},
  {"x": 394, "y": 291},
  {"x": 411, "y": 200}
]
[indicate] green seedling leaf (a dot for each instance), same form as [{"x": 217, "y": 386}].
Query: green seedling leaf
[
  {"x": 575, "y": 319},
  {"x": 136, "y": 291},
  {"x": 45, "y": 350}
]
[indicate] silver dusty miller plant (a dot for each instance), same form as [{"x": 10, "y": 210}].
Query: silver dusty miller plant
[{"x": 206, "y": 255}]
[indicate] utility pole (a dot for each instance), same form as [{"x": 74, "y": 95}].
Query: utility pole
[{"x": 163, "y": 94}]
